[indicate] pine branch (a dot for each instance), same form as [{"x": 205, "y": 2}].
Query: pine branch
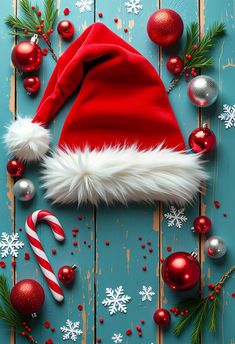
[
  {"x": 214, "y": 306},
  {"x": 50, "y": 14},
  {"x": 199, "y": 322}
]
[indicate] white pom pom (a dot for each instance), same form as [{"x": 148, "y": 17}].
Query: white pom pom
[{"x": 28, "y": 141}]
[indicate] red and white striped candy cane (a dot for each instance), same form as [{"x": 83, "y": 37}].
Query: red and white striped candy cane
[{"x": 30, "y": 226}]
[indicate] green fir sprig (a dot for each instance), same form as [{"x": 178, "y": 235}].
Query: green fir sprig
[
  {"x": 200, "y": 311},
  {"x": 195, "y": 54},
  {"x": 9, "y": 315},
  {"x": 34, "y": 21}
]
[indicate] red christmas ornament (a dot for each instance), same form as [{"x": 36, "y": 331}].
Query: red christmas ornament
[
  {"x": 15, "y": 167},
  {"x": 66, "y": 274},
  {"x": 27, "y": 296},
  {"x": 165, "y": 27},
  {"x": 202, "y": 224},
  {"x": 65, "y": 29},
  {"x": 202, "y": 140},
  {"x": 175, "y": 65},
  {"x": 181, "y": 271},
  {"x": 32, "y": 84},
  {"x": 162, "y": 317},
  {"x": 26, "y": 56}
]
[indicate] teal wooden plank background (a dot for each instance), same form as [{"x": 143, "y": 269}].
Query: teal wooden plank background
[{"x": 120, "y": 263}]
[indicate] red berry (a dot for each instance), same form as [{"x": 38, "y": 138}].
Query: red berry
[
  {"x": 169, "y": 248},
  {"x": 195, "y": 46},
  {"x": 66, "y": 11},
  {"x": 150, "y": 249},
  {"x": 26, "y": 31},
  {"x": 33, "y": 8},
  {"x": 47, "y": 324},
  {"x": 53, "y": 329},
  {"x": 143, "y": 245},
  {"x": 101, "y": 320},
  {"x": 144, "y": 268},
  {"x": 138, "y": 328},
  {"x": 75, "y": 243},
  {"x": 187, "y": 75},
  {"x": 53, "y": 251},
  {"x": 107, "y": 243},
  {"x": 142, "y": 321},
  {"x": 23, "y": 333},
  {"x": 128, "y": 332},
  {"x": 74, "y": 235},
  {"x": 100, "y": 14},
  {"x": 39, "y": 13},
  {"x": 161, "y": 260},
  {"x": 39, "y": 31},
  {"x": 144, "y": 256},
  {"x": 125, "y": 30},
  {"x": 140, "y": 334},
  {"x": 80, "y": 307},
  {"x": 76, "y": 230},
  {"x": 26, "y": 256},
  {"x": 115, "y": 20},
  {"x": 149, "y": 242},
  {"x": 99, "y": 340},
  {"x": 217, "y": 204},
  {"x": 2, "y": 264},
  {"x": 44, "y": 52}
]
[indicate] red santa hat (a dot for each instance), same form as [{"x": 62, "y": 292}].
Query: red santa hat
[{"x": 120, "y": 141}]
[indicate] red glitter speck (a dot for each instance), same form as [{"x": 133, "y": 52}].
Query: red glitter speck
[
  {"x": 169, "y": 248},
  {"x": 99, "y": 340},
  {"x": 217, "y": 204},
  {"x": 142, "y": 321},
  {"x": 47, "y": 324},
  {"x": 75, "y": 243},
  {"x": 107, "y": 243},
  {"x": 144, "y": 268},
  {"x": 150, "y": 249},
  {"x": 101, "y": 320},
  {"x": 128, "y": 332},
  {"x": 44, "y": 52},
  {"x": 20, "y": 229},
  {"x": 149, "y": 242},
  {"x": 80, "y": 307},
  {"x": 143, "y": 245},
  {"x": 75, "y": 230},
  {"x": 126, "y": 30},
  {"x": 53, "y": 251},
  {"x": 2, "y": 264},
  {"x": 53, "y": 329},
  {"x": 100, "y": 14},
  {"x": 26, "y": 256},
  {"x": 66, "y": 11},
  {"x": 115, "y": 20}
]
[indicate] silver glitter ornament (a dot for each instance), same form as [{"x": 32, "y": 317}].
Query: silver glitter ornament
[
  {"x": 215, "y": 247},
  {"x": 24, "y": 190},
  {"x": 202, "y": 91}
]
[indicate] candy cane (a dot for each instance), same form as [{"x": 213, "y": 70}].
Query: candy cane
[{"x": 30, "y": 227}]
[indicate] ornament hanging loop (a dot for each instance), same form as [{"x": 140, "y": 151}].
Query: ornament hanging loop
[
  {"x": 34, "y": 39},
  {"x": 194, "y": 254}
]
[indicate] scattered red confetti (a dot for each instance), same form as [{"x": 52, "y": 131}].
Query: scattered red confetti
[
  {"x": 161, "y": 260},
  {"x": 169, "y": 248},
  {"x": 142, "y": 321},
  {"x": 217, "y": 204},
  {"x": 74, "y": 235},
  {"x": 53, "y": 329},
  {"x": 44, "y": 52},
  {"x": 225, "y": 214},
  {"x": 75, "y": 243},
  {"x": 53, "y": 251},
  {"x": 144, "y": 268},
  {"x": 143, "y": 245},
  {"x": 100, "y": 14},
  {"x": 126, "y": 30},
  {"x": 47, "y": 324},
  {"x": 149, "y": 242},
  {"x": 140, "y": 238},
  {"x": 99, "y": 340},
  {"x": 138, "y": 328},
  {"x": 20, "y": 229},
  {"x": 150, "y": 249},
  {"x": 101, "y": 320},
  {"x": 75, "y": 230},
  {"x": 107, "y": 243},
  {"x": 49, "y": 341},
  {"x": 128, "y": 332},
  {"x": 13, "y": 264},
  {"x": 80, "y": 307},
  {"x": 140, "y": 334},
  {"x": 66, "y": 11},
  {"x": 2, "y": 264},
  {"x": 26, "y": 256},
  {"x": 233, "y": 295},
  {"x": 144, "y": 256},
  {"x": 115, "y": 20}
]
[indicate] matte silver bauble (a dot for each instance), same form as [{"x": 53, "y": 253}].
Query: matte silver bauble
[
  {"x": 24, "y": 190},
  {"x": 215, "y": 247},
  {"x": 202, "y": 91}
]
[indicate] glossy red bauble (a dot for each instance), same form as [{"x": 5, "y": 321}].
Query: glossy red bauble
[
  {"x": 165, "y": 27},
  {"x": 181, "y": 271},
  {"x": 202, "y": 224},
  {"x": 27, "y": 296},
  {"x": 175, "y": 65},
  {"x": 26, "y": 56},
  {"x": 66, "y": 274},
  {"x": 65, "y": 29},
  {"x": 162, "y": 317},
  {"x": 202, "y": 140},
  {"x": 15, "y": 167},
  {"x": 32, "y": 84}
]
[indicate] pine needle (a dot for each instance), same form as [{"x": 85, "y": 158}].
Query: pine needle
[{"x": 213, "y": 314}]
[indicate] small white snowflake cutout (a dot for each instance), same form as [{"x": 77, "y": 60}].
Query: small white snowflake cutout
[
  {"x": 133, "y": 6},
  {"x": 117, "y": 338},
  {"x": 84, "y": 5},
  {"x": 228, "y": 116},
  {"x": 71, "y": 330},
  {"x": 10, "y": 245},
  {"x": 116, "y": 300},
  {"x": 175, "y": 217},
  {"x": 146, "y": 293}
]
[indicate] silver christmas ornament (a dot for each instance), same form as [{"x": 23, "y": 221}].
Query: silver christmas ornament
[
  {"x": 24, "y": 190},
  {"x": 215, "y": 247},
  {"x": 202, "y": 91}
]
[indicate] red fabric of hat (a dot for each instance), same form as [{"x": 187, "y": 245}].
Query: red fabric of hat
[{"x": 120, "y": 140}]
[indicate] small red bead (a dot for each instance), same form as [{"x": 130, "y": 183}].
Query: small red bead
[
  {"x": 128, "y": 332},
  {"x": 53, "y": 251},
  {"x": 75, "y": 243},
  {"x": 140, "y": 334},
  {"x": 84, "y": 242},
  {"x": 169, "y": 248},
  {"x": 217, "y": 204},
  {"x": 150, "y": 250},
  {"x": 125, "y": 30},
  {"x": 195, "y": 46},
  {"x": 26, "y": 256},
  {"x": 107, "y": 243},
  {"x": 100, "y": 14},
  {"x": 101, "y": 320},
  {"x": 89, "y": 245},
  {"x": 44, "y": 52},
  {"x": 74, "y": 235},
  {"x": 115, "y": 20},
  {"x": 39, "y": 13},
  {"x": 42, "y": 20},
  {"x": 138, "y": 328},
  {"x": 143, "y": 245},
  {"x": 66, "y": 11},
  {"x": 47, "y": 324},
  {"x": 144, "y": 268},
  {"x": 187, "y": 75},
  {"x": 26, "y": 31},
  {"x": 23, "y": 333},
  {"x": 149, "y": 242},
  {"x": 99, "y": 340},
  {"x": 39, "y": 31},
  {"x": 53, "y": 329},
  {"x": 161, "y": 260},
  {"x": 76, "y": 230},
  {"x": 33, "y": 8},
  {"x": 80, "y": 307},
  {"x": 142, "y": 321}
]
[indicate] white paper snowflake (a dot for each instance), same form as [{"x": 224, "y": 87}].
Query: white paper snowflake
[
  {"x": 84, "y": 5},
  {"x": 116, "y": 300},
  {"x": 10, "y": 245},
  {"x": 175, "y": 217},
  {"x": 71, "y": 330},
  {"x": 146, "y": 293},
  {"x": 228, "y": 116},
  {"x": 117, "y": 338},
  {"x": 133, "y": 6}
]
